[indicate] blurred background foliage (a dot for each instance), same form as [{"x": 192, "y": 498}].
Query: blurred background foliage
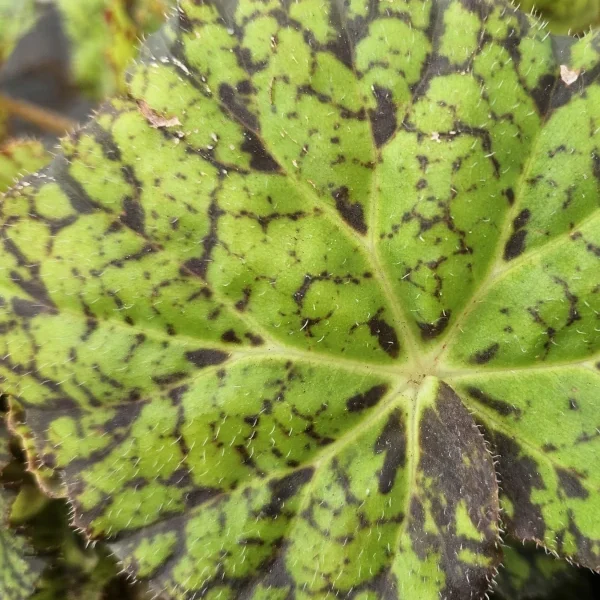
[{"x": 58, "y": 60}]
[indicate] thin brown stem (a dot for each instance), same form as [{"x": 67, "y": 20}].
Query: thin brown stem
[{"x": 45, "y": 119}]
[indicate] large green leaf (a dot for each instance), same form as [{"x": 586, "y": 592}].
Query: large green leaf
[{"x": 260, "y": 312}]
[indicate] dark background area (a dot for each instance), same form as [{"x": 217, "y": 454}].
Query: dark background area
[{"x": 38, "y": 71}]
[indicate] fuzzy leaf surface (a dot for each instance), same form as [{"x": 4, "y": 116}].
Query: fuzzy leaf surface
[{"x": 260, "y": 312}]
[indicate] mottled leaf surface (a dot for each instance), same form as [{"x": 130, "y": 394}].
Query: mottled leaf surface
[
  {"x": 5, "y": 455},
  {"x": 263, "y": 313}
]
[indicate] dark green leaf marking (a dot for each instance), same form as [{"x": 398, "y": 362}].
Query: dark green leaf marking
[{"x": 573, "y": 16}]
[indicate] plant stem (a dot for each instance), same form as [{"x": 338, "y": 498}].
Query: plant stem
[{"x": 45, "y": 119}]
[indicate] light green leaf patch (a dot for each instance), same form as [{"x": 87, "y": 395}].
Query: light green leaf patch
[
  {"x": 260, "y": 312},
  {"x": 5, "y": 454},
  {"x": 19, "y": 157}
]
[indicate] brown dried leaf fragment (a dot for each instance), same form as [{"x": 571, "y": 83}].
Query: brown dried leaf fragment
[{"x": 155, "y": 119}]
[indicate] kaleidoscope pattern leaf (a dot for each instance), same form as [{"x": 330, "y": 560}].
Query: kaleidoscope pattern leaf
[{"x": 263, "y": 313}]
